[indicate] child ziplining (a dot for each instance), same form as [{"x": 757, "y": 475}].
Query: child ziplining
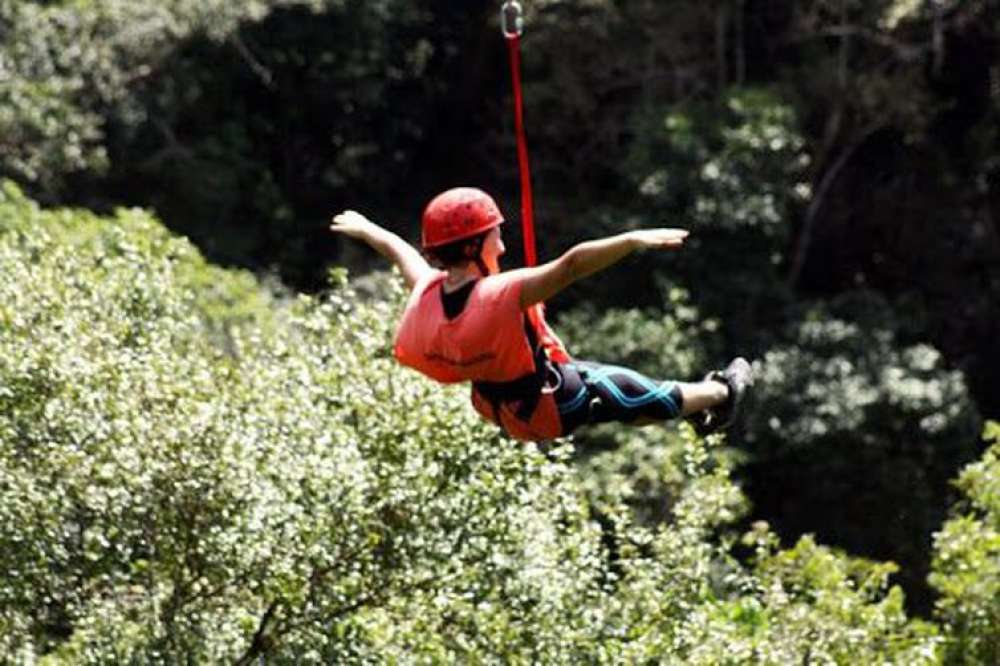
[{"x": 466, "y": 320}]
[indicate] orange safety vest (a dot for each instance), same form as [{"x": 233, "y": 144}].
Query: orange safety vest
[{"x": 490, "y": 344}]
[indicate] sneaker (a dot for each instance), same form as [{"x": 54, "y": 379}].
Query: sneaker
[{"x": 738, "y": 377}]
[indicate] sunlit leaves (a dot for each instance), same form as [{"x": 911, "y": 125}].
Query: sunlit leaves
[
  {"x": 739, "y": 166},
  {"x": 967, "y": 562},
  {"x": 836, "y": 374},
  {"x": 669, "y": 345}
]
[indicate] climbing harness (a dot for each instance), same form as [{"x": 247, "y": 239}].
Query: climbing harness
[
  {"x": 512, "y": 25},
  {"x": 526, "y": 390}
]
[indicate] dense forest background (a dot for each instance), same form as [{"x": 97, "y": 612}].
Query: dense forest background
[{"x": 837, "y": 161}]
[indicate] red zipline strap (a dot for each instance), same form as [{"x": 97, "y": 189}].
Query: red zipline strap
[
  {"x": 511, "y": 22},
  {"x": 527, "y": 214}
]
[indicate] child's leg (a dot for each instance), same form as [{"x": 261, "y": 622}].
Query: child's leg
[
  {"x": 699, "y": 396},
  {"x": 596, "y": 393}
]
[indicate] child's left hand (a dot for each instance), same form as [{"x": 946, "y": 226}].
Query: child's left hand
[{"x": 353, "y": 224}]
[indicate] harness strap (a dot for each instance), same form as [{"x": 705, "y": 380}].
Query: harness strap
[{"x": 526, "y": 389}]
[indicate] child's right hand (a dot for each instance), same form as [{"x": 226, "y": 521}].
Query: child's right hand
[
  {"x": 353, "y": 224},
  {"x": 659, "y": 239}
]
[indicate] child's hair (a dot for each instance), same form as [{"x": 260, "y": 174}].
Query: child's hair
[{"x": 457, "y": 252}]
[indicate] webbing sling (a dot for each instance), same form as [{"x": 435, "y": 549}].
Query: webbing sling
[
  {"x": 526, "y": 389},
  {"x": 512, "y": 24}
]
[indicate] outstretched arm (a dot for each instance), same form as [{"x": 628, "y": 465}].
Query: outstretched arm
[
  {"x": 355, "y": 225},
  {"x": 542, "y": 282}
]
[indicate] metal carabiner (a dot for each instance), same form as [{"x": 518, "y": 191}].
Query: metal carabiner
[{"x": 511, "y": 19}]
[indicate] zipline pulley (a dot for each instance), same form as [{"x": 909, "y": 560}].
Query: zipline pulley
[{"x": 511, "y": 19}]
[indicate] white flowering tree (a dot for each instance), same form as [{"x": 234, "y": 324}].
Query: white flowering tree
[{"x": 282, "y": 489}]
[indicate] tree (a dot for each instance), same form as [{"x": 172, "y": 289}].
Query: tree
[
  {"x": 72, "y": 69},
  {"x": 733, "y": 171}
]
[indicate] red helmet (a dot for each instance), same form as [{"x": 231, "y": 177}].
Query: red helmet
[{"x": 458, "y": 213}]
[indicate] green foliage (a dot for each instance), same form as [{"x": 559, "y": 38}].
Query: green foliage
[
  {"x": 244, "y": 143},
  {"x": 966, "y": 568},
  {"x": 641, "y": 473},
  {"x": 854, "y": 436},
  {"x": 238, "y": 122},
  {"x": 816, "y": 605},
  {"x": 69, "y": 68},
  {"x": 669, "y": 341},
  {"x": 734, "y": 172},
  {"x": 736, "y": 164},
  {"x": 681, "y": 597}
]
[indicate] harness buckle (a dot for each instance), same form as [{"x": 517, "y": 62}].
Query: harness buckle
[{"x": 551, "y": 371}]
